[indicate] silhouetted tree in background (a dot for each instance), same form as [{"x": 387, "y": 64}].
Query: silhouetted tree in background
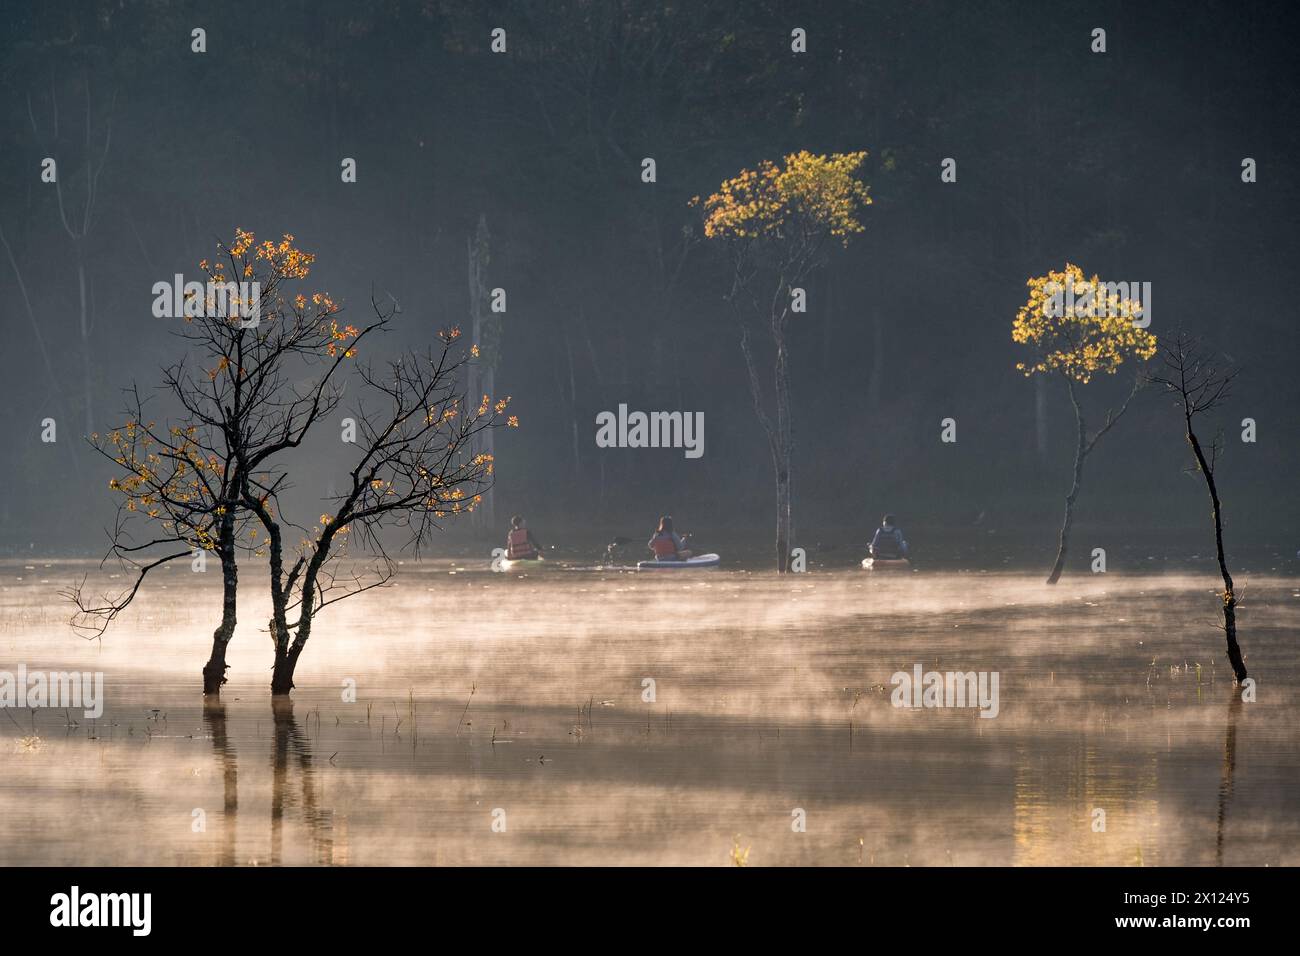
[
  {"x": 1200, "y": 381},
  {"x": 486, "y": 334}
]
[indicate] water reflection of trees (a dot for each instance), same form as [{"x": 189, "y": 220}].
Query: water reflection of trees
[
  {"x": 1058, "y": 789},
  {"x": 292, "y": 747},
  {"x": 1227, "y": 772},
  {"x": 214, "y": 718},
  {"x": 294, "y": 785}
]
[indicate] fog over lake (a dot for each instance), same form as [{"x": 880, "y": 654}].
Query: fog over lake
[{"x": 525, "y": 694}]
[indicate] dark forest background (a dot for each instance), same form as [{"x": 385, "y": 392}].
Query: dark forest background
[{"x": 1127, "y": 163}]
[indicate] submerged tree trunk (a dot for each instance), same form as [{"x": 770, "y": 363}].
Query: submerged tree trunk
[
  {"x": 1229, "y": 595},
  {"x": 1080, "y": 453},
  {"x": 782, "y": 515},
  {"x": 286, "y": 660},
  {"x": 287, "y": 652},
  {"x": 214, "y": 671}
]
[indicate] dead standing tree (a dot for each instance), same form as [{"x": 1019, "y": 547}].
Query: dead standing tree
[
  {"x": 485, "y": 332},
  {"x": 1199, "y": 383},
  {"x": 417, "y": 463},
  {"x": 78, "y": 223}
]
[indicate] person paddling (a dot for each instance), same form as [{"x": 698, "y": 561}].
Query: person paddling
[
  {"x": 666, "y": 544},
  {"x": 520, "y": 543},
  {"x": 888, "y": 543}
]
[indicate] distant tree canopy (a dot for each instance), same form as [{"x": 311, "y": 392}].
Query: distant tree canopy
[
  {"x": 808, "y": 197},
  {"x": 1080, "y": 326}
]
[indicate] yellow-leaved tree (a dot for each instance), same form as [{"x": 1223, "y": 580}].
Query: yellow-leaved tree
[
  {"x": 180, "y": 473},
  {"x": 1079, "y": 327},
  {"x": 265, "y": 363},
  {"x": 778, "y": 222}
]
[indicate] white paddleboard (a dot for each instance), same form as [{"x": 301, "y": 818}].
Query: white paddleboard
[
  {"x": 886, "y": 564},
  {"x": 698, "y": 561},
  {"x": 524, "y": 564}
]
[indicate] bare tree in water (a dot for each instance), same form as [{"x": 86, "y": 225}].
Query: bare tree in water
[
  {"x": 1199, "y": 383},
  {"x": 256, "y": 374},
  {"x": 416, "y": 464}
]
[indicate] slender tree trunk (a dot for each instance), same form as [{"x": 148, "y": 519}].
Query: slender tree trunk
[
  {"x": 488, "y": 446},
  {"x": 1040, "y": 416},
  {"x": 279, "y": 623},
  {"x": 779, "y": 433},
  {"x": 214, "y": 671},
  {"x": 482, "y": 370},
  {"x": 784, "y": 455},
  {"x": 286, "y": 652},
  {"x": 1229, "y": 594},
  {"x": 86, "y": 386},
  {"x": 286, "y": 661},
  {"x": 782, "y": 517},
  {"x": 55, "y": 389},
  {"x": 780, "y": 459},
  {"x": 280, "y": 642},
  {"x": 1080, "y": 453}
]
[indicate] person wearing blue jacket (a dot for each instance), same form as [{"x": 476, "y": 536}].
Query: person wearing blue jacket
[{"x": 888, "y": 543}]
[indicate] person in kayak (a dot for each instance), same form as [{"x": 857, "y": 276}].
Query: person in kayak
[
  {"x": 667, "y": 544},
  {"x": 520, "y": 543},
  {"x": 888, "y": 543}
]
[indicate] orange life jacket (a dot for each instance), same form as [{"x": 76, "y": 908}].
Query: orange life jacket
[
  {"x": 663, "y": 546},
  {"x": 518, "y": 546}
]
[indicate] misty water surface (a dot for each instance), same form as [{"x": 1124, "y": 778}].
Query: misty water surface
[{"x": 479, "y": 692}]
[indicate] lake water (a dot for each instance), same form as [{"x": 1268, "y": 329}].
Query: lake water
[{"x": 503, "y": 720}]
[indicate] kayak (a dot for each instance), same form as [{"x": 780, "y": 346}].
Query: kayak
[
  {"x": 699, "y": 561},
  {"x": 524, "y": 564},
  {"x": 886, "y": 564}
]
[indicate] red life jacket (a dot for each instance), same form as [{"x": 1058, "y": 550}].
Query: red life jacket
[
  {"x": 663, "y": 546},
  {"x": 518, "y": 546}
]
